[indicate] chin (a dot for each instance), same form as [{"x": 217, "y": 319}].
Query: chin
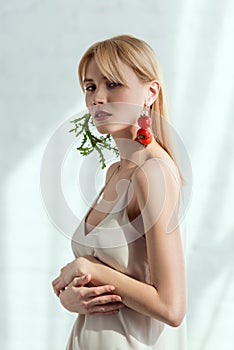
[
  {"x": 116, "y": 128},
  {"x": 108, "y": 129},
  {"x": 103, "y": 129}
]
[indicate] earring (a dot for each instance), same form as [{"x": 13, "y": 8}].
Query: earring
[{"x": 144, "y": 135}]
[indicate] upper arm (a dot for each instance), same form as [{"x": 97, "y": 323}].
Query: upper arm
[{"x": 158, "y": 195}]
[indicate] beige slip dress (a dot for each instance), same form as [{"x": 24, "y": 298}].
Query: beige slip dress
[{"x": 121, "y": 245}]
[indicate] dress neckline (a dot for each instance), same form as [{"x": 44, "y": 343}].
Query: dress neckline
[
  {"x": 95, "y": 202},
  {"x": 104, "y": 219},
  {"x": 117, "y": 202}
]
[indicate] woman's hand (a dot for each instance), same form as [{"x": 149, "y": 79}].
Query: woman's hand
[
  {"x": 90, "y": 300},
  {"x": 76, "y": 268}
]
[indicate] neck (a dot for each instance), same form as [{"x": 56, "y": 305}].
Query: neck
[{"x": 132, "y": 153}]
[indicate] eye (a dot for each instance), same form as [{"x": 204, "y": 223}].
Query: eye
[
  {"x": 90, "y": 88},
  {"x": 113, "y": 85}
]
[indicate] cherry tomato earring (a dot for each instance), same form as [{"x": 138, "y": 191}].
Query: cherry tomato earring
[{"x": 144, "y": 135}]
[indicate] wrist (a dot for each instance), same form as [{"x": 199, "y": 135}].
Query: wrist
[{"x": 83, "y": 266}]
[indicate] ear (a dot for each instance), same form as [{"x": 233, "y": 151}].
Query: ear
[{"x": 152, "y": 92}]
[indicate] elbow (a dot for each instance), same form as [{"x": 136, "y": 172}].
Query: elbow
[
  {"x": 176, "y": 320},
  {"x": 175, "y": 317}
]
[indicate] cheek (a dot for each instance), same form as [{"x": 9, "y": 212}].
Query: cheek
[
  {"x": 87, "y": 100},
  {"x": 123, "y": 96},
  {"x": 134, "y": 96},
  {"x": 126, "y": 113}
]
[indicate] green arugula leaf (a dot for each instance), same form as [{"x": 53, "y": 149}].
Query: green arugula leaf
[{"x": 91, "y": 142}]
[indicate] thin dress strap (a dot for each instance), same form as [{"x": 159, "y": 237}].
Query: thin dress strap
[{"x": 98, "y": 197}]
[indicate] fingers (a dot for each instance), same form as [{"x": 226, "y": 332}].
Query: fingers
[
  {"x": 77, "y": 282},
  {"x": 94, "y": 298},
  {"x": 58, "y": 284},
  {"x": 102, "y": 303},
  {"x": 81, "y": 281},
  {"x": 96, "y": 291},
  {"x": 90, "y": 300},
  {"x": 103, "y": 300},
  {"x": 91, "y": 291},
  {"x": 107, "y": 309},
  {"x": 55, "y": 286}
]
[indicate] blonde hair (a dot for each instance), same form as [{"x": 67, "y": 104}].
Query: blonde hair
[{"x": 138, "y": 55}]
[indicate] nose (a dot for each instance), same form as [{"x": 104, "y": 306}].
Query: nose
[{"x": 99, "y": 97}]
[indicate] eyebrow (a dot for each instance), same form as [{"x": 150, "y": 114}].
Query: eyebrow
[{"x": 86, "y": 80}]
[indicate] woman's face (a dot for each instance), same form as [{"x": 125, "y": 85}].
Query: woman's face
[{"x": 114, "y": 106}]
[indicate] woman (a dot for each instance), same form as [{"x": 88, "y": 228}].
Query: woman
[{"x": 128, "y": 281}]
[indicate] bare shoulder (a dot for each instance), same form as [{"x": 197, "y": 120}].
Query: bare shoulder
[
  {"x": 154, "y": 169},
  {"x": 157, "y": 194},
  {"x": 111, "y": 169}
]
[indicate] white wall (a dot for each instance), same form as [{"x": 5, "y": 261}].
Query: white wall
[{"x": 41, "y": 44}]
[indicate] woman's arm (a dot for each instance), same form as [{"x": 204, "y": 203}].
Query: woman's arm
[
  {"x": 157, "y": 194},
  {"x": 90, "y": 300},
  {"x": 165, "y": 299}
]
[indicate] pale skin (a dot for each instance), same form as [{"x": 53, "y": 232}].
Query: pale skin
[{"x": 88, "y": 286}]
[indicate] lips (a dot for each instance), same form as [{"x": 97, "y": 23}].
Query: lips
[{"x": 102, "y": 115}]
